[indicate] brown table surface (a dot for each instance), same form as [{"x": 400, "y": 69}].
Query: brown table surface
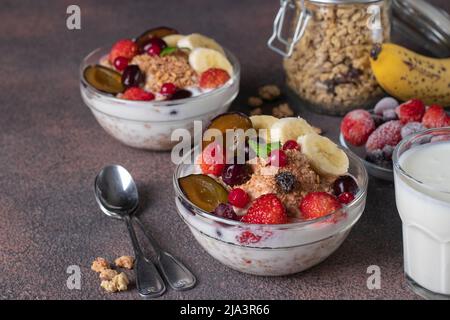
[{"x": 52, "y": 148}]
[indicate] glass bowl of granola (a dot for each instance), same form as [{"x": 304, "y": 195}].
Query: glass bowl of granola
[
  {"x": 273, "y": 214},
  {"x": 143, "y": 89}
]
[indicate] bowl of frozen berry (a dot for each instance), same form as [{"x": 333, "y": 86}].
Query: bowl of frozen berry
[
  {"x": 374, "y": 134},
  {"x": 273, "y": 206},
  {"x": 142, "y": 89}
]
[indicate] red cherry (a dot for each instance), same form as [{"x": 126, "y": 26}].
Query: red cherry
[
  {"x": 155, "y": 46},
  {"x": 291, "y": 145},
  {"x": 238, "y": 198},
  {"x": 346, "y": 197},
  {"x": 168, "y": 89},
  {"x": 277, "y": 158},
  {"x": 120, "y": 63}
]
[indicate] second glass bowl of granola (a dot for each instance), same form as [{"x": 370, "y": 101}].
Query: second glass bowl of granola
[
  {"x": 261, "y": 247},
  {"x": 144, "y": 113}
]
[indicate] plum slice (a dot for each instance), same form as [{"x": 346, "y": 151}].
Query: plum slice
[
  {"x": 203, "y": 191},
  {"x": 104, "y": 79}
]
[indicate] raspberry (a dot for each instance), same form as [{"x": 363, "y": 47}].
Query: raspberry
[
  {"x": 291, "y": 145},
  {"x": 277, "y": 158},
  {"x": 411, "y": 111},
  {"x": 356, "y": 127},
  {"x": 435, "y": 117},
  {"x": 139, "y": 94},
  {"x": 238, "y": 198},
  {"x": 123, "y": 48},
  {"x": 213, "y": 160},
  {"x": 286, "y": 181},
  {"x": 388, "y": 133},
  {"x": 346, "y": 197},
  {"x": 318, "y": 204},
  {"x": 267, "y": 209},
  {"x": 213, "y": 78}
]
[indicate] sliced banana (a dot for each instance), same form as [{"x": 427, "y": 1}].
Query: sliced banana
[
  {"x": 263, "y": 122},
  {"x": 202, "y": 59},
  {"x": 172, "y": 39},
  {"x": 290, "y": 129},
  {"x": 324, "y": 155},
  {"x": 196, "y": 40}
]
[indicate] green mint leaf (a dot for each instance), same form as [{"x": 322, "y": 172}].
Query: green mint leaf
[{"x": 168, "y": 50}]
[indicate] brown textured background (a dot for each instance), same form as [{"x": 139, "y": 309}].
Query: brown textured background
[{"x": 52, "y": 148}]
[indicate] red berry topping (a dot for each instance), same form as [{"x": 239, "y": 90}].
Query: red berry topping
[
  {"x": 277, "y": 158},
  {"x": 318, "y": 204},
  {"x": 155, "y": 46},
  {"x": 213, "y": 160},
  {"x": 357, "y": 126},
  {"x": 120, "y": 63},
  {"x": 435, "y": 117},
  {"x": 267, "y": 209},
  {"x": 213, "y": 78},
  {"x": 225, "y": 211},
  {"x": 388, "y": 133},
  {"x": 136, "y": 93},
  {"x": 291, "y": 145},
  {"x": 123, "y": 48},
  {"x": 238, "y": 198},
  {"x": 168, "y": 89},
  {"x": 411, "y": 111},
  {"x": 346, "y": 197}
]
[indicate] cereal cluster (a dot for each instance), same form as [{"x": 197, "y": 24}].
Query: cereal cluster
[{"x": 330, "y": 66}]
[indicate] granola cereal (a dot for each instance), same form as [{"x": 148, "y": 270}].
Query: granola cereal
[
  {"x": 282, "y": 111},
  {"x": 254, "y": 102},
  {"x": 330, "y": 66},
  {"x": 99, "y": 264},
  {"x": 269, "y": 92},
  {"x": 107, "y": 274},
  {"x": 256, "y": 112},
  {"x": 118, "y": 283},
  {"x": 125, "y": 262}
]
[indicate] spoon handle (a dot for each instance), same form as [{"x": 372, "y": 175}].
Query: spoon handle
[
  {"x": 148, "y": 281},
  {"x": 176, "y": 273}
]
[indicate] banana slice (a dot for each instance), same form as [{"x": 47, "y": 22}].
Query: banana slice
[
  {"x": 290, "y": 129},
  {"x": 263, "y": 122},
  {"x": 202, "y": 59},
  {"x": 324, "y": 155},
  {"x": 196, "y": 40},
  {"x": 172, "y": 39}
]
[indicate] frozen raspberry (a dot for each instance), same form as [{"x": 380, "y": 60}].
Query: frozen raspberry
[
  {"x": 267, "y": 209},
  {"x": 346, "y": 197},
  {"x": 387, "y": 103},
  {"x": 386, "y": 134},
  {"x": 318, "y": 204},
  {"x": 224, "y": 210},
  {"x": 136, "y": 93},
  {"x": 213, "y": 160},
  {"x": 213, "y": 78},
  {"x": 238, "y": 198},
  {"x": 286, "y": 181},
  {"x": 356, "y": 127},
  {"x": 435, "y": 117},
  {"x": 123, "y": 48},
  {"x": 411, "y": 111},
  {"x": 412, "y": 127}
]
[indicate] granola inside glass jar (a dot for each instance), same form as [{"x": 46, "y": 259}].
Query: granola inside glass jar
[{"x": 327, "y": 60}]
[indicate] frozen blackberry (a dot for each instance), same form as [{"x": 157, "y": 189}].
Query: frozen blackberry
[
  {"x": 378, "y": 157},
  {"x": 286, "y": 181}
]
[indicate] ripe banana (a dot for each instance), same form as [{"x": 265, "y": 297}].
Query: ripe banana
[
  {"x": 290, "y": 129},
  {"x": 197, "y": 40},
  {"x": 263, "y": 122},
  {"x": 405, "y": 74},
  {"x": 201, "y": 59}
]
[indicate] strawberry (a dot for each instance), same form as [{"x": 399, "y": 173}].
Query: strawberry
[
  {"x": 125, "y": 48},
  {"x": 213, "y": 159},
  {"x": 356, "y": 127},
  {"x": 388, "y": 133},
  {"x": 435, "y": 117},
  {"x": 318, "y": 204},
  {"x": 139, "y": 94},
  {"x": 411, "y": 111},
  {"x": 213, "y": 78},
  {"x": 267, "y": 209}
]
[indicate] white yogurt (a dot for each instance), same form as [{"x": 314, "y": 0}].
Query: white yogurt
[{"x": 425, "y": 213}]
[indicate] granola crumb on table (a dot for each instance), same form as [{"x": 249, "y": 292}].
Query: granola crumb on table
[
  {"x": 125, "y": 262},
  {"x": 118, "y": 283},
  {"x": 269, "y": 92},
  {"x": 282, "y": 111},
  {"x": 99, "y": 264},
  {"x": 254, "y": 102},
  {"x": 108, "y": 274},
  {"x": 256, "y": 112}
]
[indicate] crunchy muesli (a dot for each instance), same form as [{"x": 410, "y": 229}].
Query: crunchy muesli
[
  {"x": 118, "y": 283},
  {"x": 107, "y": 274},
  {"x": 282, "y": 111},
  {"x": 99, "y": 264},
  {"x": 269, "y": 92},
  {"x": 125, "y": 262},
  {"x": 254, "y": 102}
]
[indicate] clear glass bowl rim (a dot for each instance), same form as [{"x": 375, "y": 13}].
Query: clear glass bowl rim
[{"x": 360, "y": 196}]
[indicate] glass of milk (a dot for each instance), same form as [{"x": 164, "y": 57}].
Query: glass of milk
[{"x": 422, "y": 191}]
